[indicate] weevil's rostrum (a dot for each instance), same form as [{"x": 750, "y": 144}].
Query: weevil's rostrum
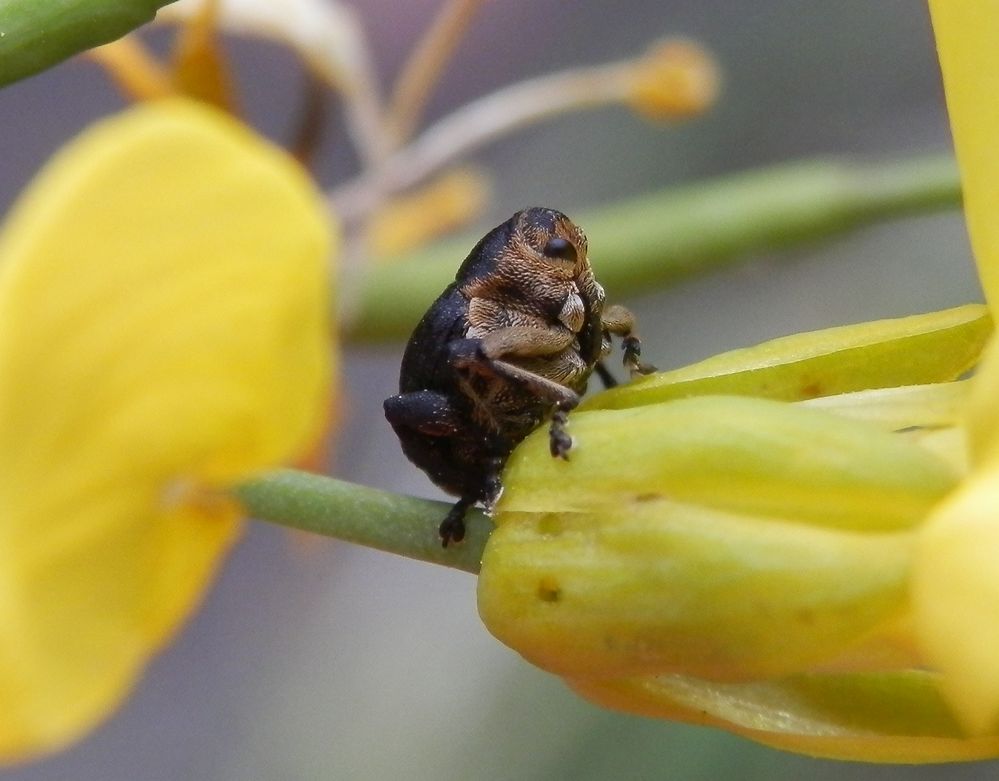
[{"x": 509, "y": 344}]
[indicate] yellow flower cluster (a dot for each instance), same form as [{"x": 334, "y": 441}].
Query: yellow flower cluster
[{"x": 795, "y": 542}]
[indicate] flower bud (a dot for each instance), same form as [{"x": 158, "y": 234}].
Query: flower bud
[{"x": 722, "y": 537}]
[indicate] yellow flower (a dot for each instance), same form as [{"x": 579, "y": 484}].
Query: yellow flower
[
  {"x": 164, "y": 333},
  {"x": 813, "y": 566}
]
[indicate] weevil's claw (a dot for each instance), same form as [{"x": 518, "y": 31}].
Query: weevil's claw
[
  {"x": 559, "y": 443},
  {"x": 452, "y": 528},
  {"x": 632, "y": 357}
]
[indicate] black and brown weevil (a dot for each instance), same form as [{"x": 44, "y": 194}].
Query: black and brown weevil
[{"x": 509, "y": 344}]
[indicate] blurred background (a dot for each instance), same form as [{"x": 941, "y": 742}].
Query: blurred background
[{"x": 312, "y": 659}]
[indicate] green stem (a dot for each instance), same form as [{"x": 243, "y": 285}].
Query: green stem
[
  {"x": 658, "y": 239},
  {"x": 36, "y": 34},
  {"x": 366, "y": 516}
]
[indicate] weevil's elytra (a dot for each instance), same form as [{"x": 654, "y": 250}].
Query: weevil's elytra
[{"x": 509, "y": 344}]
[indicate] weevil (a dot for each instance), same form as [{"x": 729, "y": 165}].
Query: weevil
[{"x": 509, "y": 344}]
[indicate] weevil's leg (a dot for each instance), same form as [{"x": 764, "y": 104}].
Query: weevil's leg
[
  {"x": 542, "y": 386},
  {"x": 485, "y": 356},
  {"x": 452, "y": 528},
  {"x": 428, "y": 412},
  {"x": 519, "y": 341},
  {"x": 632, "y": 356},
  {"x": 559, "y": 442},
  {"x": 493, "y": 486},
  {"x": 604, "y": 374},
  {"x": 618, "y": 320}
]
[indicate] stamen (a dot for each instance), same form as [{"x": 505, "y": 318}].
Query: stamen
[
  {"x": 423, "y": 69},
  {"x": 526, "y": 103}
]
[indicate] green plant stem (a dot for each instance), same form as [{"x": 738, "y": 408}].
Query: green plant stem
[
  {"x": 658, "y": 239},
  {"x": 36, "y": 34},
  {"x": 366, "y": 516}
]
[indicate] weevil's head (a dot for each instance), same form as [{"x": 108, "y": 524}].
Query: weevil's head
[{"x": 537, "y": 255}]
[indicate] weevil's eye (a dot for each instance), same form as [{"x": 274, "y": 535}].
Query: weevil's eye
[{"x": 561, "y": 249}]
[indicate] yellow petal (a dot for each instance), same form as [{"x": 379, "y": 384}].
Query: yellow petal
[
  {"x": 872, "y": 717},
  {"x": 931, "y": 416},
  {"x": 956, "y": 597},
  {"x": 982, "y": 417},
  {"x": 163, "y": 332},
  {"x": 956, "y": 587},
  {"x": 935, "y": 347},
  {"x": 737, "y": 454},
  {"x": 893, "y": 409},
  {"x": 966, "y": 33}
]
